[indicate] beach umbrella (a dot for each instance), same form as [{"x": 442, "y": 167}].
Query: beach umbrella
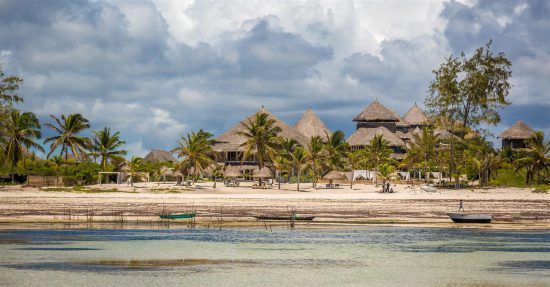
[
  {"x": 232, "y": 172},
  {"x": 263, "y": 173},
  {"x": 333, "y": 175}
]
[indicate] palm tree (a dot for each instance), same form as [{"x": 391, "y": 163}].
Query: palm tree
[
  {"x": 299, "y": 161},
  {"x": 68, "y": 129},
  {"x": 356, "y": 159},
  {"x": 21, "y": 130},
  {"x": 281, "y": 157},
  {"x": 261, "y": 134},
  {"x": 336, "y": 148},
  {"x": 536, "y": 158},
  {"x": 385, "y": 170},
  {"x": 196, "y": 150},
  {"x": 377, "y": 152},
  {"x": 106, "y": 145},
  {"x": 422, "y": 150},
  {"x": 135, "y": 166},
  {"x": 316, "y": 155}
]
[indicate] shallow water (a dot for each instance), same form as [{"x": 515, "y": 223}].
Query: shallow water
[{"x": 370, "y": 256}]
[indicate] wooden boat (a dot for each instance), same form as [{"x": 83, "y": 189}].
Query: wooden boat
[
  {"x": 284, "y": 217},
  {"x": 470, "y": 217},
  {"x": 177, "y": 216}
]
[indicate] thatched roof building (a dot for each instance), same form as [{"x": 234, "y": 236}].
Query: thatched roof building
[
  {"x": 362, "y": 136},
  {"x": 519, "y": 130},
  {"x": 376, "y": 112},
  {"x": 263, "y": 173},
  {"x": 516, "y": 135},
  {"x": 159, "y": 155},
  {"x": 416, "y": 116},
  {"x": 310, "y": 125},
  {"x": 230, "y": 140}
]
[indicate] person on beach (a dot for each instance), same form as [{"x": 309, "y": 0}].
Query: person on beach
[
  {"x": 388, "y": 187},
  {"x": 461, "y": 206},
  {"x": 383, "y": 186}
]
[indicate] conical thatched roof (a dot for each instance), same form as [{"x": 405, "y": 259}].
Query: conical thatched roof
[
  {"x": 231, "y": 140},
  {"x": 177, "y": 173},
  {"x": 263, "y": 173},
  {"x": 376, "y": 112},
  {"x": 159, "y": 155},
  {"x": 310, "y": 125},
  {"x": 362, "y": 137},
  {"x": 334, "y": 175},
  {"x": 519, "y": 130},
  {"x": 415, "y": 116}
]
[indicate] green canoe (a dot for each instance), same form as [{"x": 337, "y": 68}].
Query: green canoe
[{"x": 177, "y": 216}]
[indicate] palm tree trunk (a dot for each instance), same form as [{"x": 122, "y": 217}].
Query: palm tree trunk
[
  {"x": 351, "y": 181},
  {"x": 298, "y": 187}
]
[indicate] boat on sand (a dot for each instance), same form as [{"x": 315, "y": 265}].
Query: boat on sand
[
  {"x": 177, "y": 216},
  {"x": 470, "y": 217}
]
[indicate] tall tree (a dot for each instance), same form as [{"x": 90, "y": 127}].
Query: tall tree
[
  {"x": 68, "y": 129},
  {"x": 106, "y": 146},
  {"x": 196, "y": 150},
  {"x": 470, "y": 91},
  {"x": 316, "y": 155},
  {"x": 536, "y": 159},
  {"x": 9, "y": 85},
  {"x": 299, "y": 162},
  {"x": 422, "y": 150},
  {"x": 261, "y": 138},
  {"x": 21, "y": 131},
  {"x": 467, "y": 92},
  {"x": 377, "y": 152}
]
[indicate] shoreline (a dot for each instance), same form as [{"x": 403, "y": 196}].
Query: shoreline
[{"x": 116, "y": 205}]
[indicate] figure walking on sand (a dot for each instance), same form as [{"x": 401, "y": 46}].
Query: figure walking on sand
[{"x": 461, "y": 206}]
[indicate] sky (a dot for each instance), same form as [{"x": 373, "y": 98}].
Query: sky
[{"x": 155, "y": 70}]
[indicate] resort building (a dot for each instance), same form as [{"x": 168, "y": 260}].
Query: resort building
[
  {"x": 516, "y": 136},
  {"x": 228, "y": 144},
  {"x": 376, "y": 119}
]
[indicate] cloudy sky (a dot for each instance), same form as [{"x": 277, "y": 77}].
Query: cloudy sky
[{"x": 155, "y": 70}]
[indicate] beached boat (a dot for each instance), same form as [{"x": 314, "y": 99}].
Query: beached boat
[
  {"x": 284, "y": 217},
  {"x": 470, "y": 217},
  {"x": 177, "y": 216}
]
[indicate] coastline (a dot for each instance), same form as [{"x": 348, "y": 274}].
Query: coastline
[{"x": 138, "y": 207}]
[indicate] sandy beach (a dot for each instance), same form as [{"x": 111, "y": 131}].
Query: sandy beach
[{"x": 233, "y": 206}]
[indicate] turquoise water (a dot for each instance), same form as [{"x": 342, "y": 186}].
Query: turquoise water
[{"x": 370, "y": 256}]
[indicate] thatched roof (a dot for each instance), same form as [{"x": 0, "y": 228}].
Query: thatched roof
[
  {"x": 415, "y": 116},
  {"x": 231, "y": 140},
  {"x": 263, "y": 173},
  {"x": 232, "y": 172},
  {"x": 310, "y": 125},
  {"x": 362, "y": 137},
  {"x": 159, "y": 155},
  {"x": 166, "y": 171},
  {"x": 376, "y": 112},
  {"x": 519, "y": 130},
  {"x": 334, "y": 175}
]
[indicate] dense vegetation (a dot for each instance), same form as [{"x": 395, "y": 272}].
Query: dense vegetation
[{"x": 466, "y": 93}]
